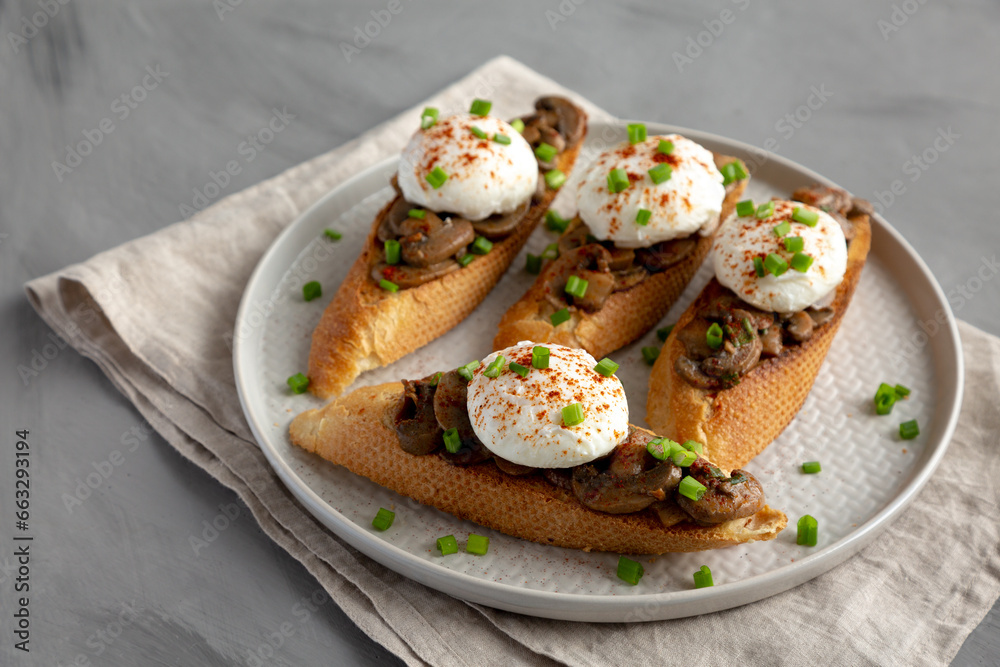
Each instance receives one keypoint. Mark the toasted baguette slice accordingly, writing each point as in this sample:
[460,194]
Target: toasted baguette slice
[365,327]
[625,316]
[357,432]
[736,424]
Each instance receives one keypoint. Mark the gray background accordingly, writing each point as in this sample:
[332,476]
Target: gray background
[890,89]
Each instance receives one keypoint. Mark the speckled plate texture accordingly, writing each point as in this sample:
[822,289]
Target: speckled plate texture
[898,329]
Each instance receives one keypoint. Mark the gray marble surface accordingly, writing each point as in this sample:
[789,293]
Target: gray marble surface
[897,101]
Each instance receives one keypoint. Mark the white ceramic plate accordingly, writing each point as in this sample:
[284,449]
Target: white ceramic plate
[898,329]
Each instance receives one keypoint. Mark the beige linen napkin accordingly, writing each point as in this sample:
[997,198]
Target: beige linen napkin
[909,599]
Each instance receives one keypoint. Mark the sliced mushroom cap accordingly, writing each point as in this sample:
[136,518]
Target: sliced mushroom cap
[771,343]
[599,287]
[821,316]
[724,307]
[631,456]
[512,468]
[661,256]
[560,477]
[615,494]
[621,258]
[690,370]
[541,188]
[552,137]
[730,362]
[405,276]
[576,236]
[726,498]
[694,337]
[570,120]
[590,260]
[800,326]
[398,212]
[431,240]
[416,426]
[824,197]
[499,225]
[629,278]
[451,410]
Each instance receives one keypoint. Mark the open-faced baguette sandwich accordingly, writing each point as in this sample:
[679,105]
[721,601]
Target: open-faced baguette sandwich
[646,213]
[535,442]
[742,358]
[470,190]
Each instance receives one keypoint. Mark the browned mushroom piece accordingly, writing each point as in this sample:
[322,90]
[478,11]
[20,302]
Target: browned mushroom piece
[730,362]
[405,276]
[552,137]
[829,199]
[416,425]
[430,240]
[559,477]
[624,494]
[631,457]
[515,469]
[723,308]
[690,370]
[541,188]
[569,119]
[500,225]
[860,207]
[398,212]
[532,133]
[821,316]
[451,411]
[629,278]
[771,343]
[726,498]
[622,259]
[661,256]
[575,237]
[800,326]
[694,337]
[589,262]
[599,287]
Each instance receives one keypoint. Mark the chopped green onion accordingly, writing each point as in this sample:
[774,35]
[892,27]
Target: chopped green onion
[577,286]
[417,213]
[383,519]
[703,578]
[733,171]
[745,208]
[554,179]
[388,285]
[545,152]
[495,367]
[747,327]
[650,354]
[437,177]
[479,133]
[540,356]
[714,336]
[555,222]
[519,369]
[533,264]
[332,234]
[447,545]
[758,267]
[466,259]
[665,147]
[683,458]
[392,251]
[775,265]
[664,333]
[694,446]
[312,290]
[636,133]
[551,251]
[436,378]
[572,414]
[482,245]
[501,139]
[298,383]
[606,367]
[452,440]
[643,216]
[428,118]
[660,173]
[794,243]
[691,488]
[629,571]
[801,262]
[808,531]
[559,317]
[811,467]
[517,124]
[477,544]
[909,430]
[805,216]
[901,391]
[765,210]
[659,448]
[466,370]
[782,228]
[617,180]
[480,107]
[885,398]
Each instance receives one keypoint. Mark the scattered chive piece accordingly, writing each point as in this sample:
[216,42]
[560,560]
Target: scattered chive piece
[436,378]
[694,446]
[517,124]
[683,458]
[554,179]
[745,208]
[664,333]
[909,430]
[477,544]
[479,133]
[658,448]
[332,234]
[417,213]
[482,245]
[643,216]
[383,519]
[519,369]
[576,286]
[501,139]
[606,367]
[428,118]
[437,177]
[555,222]
[714,336]
[801,262]
[388,285]
[452,441]
[765,210]
[629,571]
[533,264]
[732,171]
[758,267]
[572,414]
[636,133]
[885,398]
[559,317]
[660,173]
[808,531]
[447,545]
[392,251]
[545,152]
[480,107]
[703,578]
[811,467]
[540,356]
[901,391]
[782,228]
[466,259]
[805,216]
[466,370]
[312,290]
[747,327]
[650,354]
[299,383]
[794,243]
[551,251]
[665,147]
[775,265]
[691,488]
[495,367]
[617,180]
